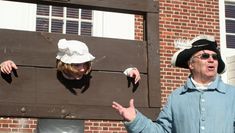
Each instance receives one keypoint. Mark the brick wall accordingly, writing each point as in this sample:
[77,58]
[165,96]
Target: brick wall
[139,27]
[178,19]
[20,125]
[183,19]
[92,126]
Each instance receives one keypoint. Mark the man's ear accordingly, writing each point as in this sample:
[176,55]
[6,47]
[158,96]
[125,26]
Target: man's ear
[190,66]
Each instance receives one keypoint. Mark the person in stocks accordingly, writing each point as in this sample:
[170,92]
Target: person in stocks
[74,61]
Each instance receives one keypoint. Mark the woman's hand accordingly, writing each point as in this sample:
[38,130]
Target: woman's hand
[7,66]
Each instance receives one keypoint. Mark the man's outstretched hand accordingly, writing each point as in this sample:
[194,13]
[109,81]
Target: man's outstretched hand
[128,113]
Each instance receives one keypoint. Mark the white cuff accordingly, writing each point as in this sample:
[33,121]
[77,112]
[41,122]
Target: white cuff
[127,71]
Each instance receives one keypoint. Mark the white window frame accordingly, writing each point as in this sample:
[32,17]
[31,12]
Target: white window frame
[114,25]
[65,19]
[23,17]
[225,52]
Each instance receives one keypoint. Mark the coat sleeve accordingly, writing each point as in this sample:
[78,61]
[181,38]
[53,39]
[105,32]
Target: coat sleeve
[142,124]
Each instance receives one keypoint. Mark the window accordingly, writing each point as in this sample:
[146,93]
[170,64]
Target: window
[227,38]
[60,126]
[230,24]
[64,20]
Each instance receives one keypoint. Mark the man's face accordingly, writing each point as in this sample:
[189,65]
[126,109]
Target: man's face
[204,64]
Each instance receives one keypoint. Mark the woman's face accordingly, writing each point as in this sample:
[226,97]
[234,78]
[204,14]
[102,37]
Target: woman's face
[77,71]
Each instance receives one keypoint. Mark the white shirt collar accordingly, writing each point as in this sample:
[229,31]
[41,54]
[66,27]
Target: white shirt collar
[200,86]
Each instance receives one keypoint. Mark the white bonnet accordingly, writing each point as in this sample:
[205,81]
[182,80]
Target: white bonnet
[73,52]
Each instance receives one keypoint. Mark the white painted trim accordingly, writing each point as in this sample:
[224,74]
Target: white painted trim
[222,34]
[17,15]
[114,25]
[225,52]
[230,0]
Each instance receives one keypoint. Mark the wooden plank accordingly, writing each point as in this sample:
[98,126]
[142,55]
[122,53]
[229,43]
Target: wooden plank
[153,60]
[39,49]
[68,112]
[35,87]
[130,6]
[44,86]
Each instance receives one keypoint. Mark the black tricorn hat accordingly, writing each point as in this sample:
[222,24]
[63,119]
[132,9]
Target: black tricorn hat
[201,42]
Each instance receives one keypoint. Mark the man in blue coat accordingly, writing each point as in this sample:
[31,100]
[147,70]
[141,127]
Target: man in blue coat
[204,104]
